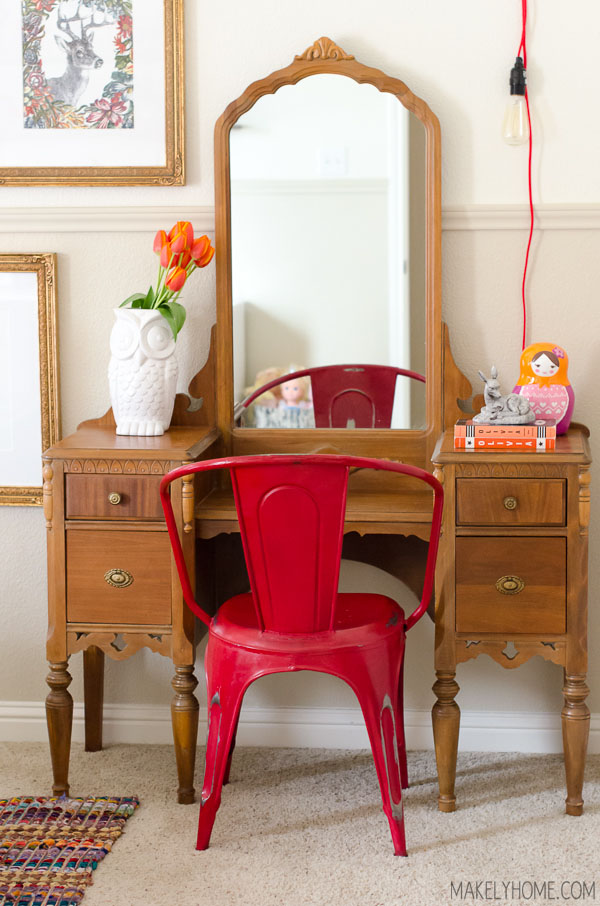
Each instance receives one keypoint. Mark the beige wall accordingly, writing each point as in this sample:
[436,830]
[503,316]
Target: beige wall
[456,56]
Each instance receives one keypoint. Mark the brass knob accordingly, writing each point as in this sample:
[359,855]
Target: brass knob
[510,503]
[114,498]
[510,585]
[118,578]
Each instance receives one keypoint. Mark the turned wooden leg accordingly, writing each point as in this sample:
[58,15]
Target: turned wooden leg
[93,697]
[576,730]
[184,716]
[446,725]
[59,716]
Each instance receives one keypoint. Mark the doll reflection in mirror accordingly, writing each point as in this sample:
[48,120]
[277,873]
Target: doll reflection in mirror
[295,393]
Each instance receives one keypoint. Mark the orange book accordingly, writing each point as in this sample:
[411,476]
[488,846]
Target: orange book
[510,444]
[465,427]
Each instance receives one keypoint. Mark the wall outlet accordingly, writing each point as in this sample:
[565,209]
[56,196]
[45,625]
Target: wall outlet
[333,162]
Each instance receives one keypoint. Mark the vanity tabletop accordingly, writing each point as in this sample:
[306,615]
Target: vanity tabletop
[570,447]
[178,443]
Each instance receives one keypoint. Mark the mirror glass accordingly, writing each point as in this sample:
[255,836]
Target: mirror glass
[328,237]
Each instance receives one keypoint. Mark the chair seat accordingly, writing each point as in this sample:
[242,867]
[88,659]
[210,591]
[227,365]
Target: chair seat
[361,619]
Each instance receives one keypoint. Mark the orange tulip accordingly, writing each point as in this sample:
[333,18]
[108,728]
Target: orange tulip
[166,254]
[202,251]
[184,258]
[207,258]
[179,243]
[159,241]
[199,246]
[185,227]
[176,279]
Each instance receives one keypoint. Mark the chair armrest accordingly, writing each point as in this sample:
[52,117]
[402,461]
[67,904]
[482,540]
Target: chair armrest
[165,499]
[434,537]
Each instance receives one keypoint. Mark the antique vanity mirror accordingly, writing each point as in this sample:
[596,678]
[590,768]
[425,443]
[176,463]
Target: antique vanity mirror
[328,231]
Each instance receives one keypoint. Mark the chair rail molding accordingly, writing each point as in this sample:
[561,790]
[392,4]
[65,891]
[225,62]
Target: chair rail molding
[126,219]
[108,219]
[333,728]
[516,217]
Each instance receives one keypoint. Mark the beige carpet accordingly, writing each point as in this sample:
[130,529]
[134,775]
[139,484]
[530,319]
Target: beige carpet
[303,827]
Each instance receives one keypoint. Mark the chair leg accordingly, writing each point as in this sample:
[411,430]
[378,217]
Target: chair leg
[380,709]
[223,711]
[400,732]
[230,756]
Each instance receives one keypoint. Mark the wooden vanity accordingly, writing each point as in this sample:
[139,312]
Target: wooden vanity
[100,491]
[512,582]
[112,586]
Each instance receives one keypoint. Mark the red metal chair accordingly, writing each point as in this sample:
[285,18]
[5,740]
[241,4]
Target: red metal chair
[362,394]
[291,515]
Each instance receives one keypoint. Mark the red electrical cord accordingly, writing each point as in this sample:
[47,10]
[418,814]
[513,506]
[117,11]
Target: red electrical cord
[523,47]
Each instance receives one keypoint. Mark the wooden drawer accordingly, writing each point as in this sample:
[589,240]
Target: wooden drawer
[538,608]
[89,497]
[92,555]
[510,501]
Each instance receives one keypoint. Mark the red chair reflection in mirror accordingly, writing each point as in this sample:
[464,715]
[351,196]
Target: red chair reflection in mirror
[291,515]
[357,396]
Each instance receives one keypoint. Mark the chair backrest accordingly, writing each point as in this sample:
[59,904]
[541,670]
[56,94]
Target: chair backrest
[291,513]
[361,396]
[292,522]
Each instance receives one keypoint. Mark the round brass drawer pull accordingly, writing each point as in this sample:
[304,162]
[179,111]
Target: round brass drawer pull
[510,503]
[118,578]
[510,585]
[114,498]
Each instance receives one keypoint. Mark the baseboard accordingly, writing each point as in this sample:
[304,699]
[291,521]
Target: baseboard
[335,728]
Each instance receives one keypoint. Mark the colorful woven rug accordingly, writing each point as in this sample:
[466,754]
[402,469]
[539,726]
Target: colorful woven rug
[49,847]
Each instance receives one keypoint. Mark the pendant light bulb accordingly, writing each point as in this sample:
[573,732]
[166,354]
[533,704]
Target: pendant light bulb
[515,128]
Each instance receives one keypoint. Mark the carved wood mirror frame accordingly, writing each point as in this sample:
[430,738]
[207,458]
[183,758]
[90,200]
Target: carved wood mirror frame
[409,445]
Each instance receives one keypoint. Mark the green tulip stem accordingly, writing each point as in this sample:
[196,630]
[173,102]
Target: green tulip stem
[177,294]
[161,291]
[158,282]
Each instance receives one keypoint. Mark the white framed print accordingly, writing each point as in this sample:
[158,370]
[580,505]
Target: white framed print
[92,93]
[29,392]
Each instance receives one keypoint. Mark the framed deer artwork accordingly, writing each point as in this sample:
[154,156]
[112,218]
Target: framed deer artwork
[29,401]
[92,93]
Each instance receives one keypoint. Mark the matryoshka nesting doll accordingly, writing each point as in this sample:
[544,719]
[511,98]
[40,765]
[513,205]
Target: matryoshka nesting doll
[545,383]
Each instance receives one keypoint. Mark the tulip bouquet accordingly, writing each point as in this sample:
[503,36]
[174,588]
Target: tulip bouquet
[179,254]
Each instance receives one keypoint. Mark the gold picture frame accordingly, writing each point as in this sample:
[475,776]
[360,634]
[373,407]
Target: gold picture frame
[44,268]
[173,171]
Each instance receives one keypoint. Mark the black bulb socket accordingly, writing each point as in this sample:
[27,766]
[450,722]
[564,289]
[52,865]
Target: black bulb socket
[518,77]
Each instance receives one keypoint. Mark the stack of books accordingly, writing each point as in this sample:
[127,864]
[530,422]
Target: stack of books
[540,436]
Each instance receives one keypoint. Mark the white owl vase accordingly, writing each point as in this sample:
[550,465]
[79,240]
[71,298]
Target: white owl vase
[142,373]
